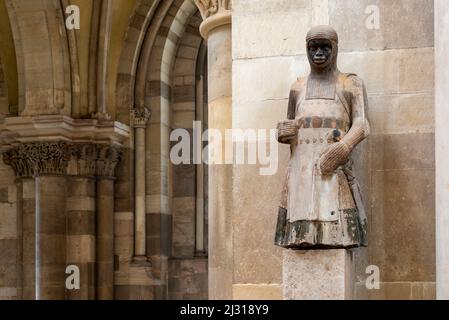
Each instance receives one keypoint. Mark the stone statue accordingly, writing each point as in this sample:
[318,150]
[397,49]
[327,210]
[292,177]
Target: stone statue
[321,206]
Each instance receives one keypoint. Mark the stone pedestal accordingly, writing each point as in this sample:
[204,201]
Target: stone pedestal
[318,275]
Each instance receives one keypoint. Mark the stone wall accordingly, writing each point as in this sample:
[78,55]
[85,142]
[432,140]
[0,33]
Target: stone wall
[396,164]
[397,63]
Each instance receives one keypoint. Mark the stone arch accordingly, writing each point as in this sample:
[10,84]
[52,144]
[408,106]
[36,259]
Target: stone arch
[183,115]
[4,105]
[188,194]
[148,14]
[42,57]
[149,77]
[163,179]
[8,65]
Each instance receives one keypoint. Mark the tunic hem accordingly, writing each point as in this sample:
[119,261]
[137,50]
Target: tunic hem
[348,233]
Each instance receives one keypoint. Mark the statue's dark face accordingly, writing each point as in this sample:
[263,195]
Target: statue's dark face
[320,53]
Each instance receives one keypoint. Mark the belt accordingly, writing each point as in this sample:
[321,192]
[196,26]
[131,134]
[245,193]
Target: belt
[324,123]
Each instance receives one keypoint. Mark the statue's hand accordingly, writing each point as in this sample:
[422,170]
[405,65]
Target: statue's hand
[287,131]
[335,156]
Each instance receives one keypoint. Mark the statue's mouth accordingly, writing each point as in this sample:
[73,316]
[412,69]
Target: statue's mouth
[319,60]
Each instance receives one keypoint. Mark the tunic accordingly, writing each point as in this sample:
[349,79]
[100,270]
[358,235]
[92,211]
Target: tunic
[320,211]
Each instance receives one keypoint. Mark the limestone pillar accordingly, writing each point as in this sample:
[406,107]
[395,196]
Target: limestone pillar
[50,162]
[22,165]
[81,235]
[19,225]
[50,237]
[26,226]
[442,146]
[28,238]
[43,220]
[140,119]
[217,29]
[65,196]
[81,216]
[106,163]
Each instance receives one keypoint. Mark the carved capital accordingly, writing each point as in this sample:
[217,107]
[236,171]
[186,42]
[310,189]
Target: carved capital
[84,160]
[77,159]
[215,13]
[94,160]
[210,7]
[41,158]
[140,117]
[107,160]
[18,160]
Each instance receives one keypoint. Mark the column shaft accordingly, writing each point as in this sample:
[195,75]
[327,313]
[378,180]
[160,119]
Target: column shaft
[26,224]
[81,235]
[105,239]
[139,221]
[50,237]
[220,169]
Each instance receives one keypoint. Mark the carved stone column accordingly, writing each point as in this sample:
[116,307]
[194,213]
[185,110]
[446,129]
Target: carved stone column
[216,28]
[107,160]
[26,224]
[140,119]
[47,162]
[65,202]
[81,218]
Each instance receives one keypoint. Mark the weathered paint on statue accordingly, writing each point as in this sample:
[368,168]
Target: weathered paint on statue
[321,206]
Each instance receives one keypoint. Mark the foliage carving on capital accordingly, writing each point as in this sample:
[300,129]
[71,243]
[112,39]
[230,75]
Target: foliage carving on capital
[140,117]
[108,158]
[33,159]
[84,158]
[62,158]
[90,159]
[210,7]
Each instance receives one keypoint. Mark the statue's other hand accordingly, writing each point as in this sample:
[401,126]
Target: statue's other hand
[287,131]
[335,156]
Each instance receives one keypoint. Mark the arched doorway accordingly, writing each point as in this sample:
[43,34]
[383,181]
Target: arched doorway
[164,71]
